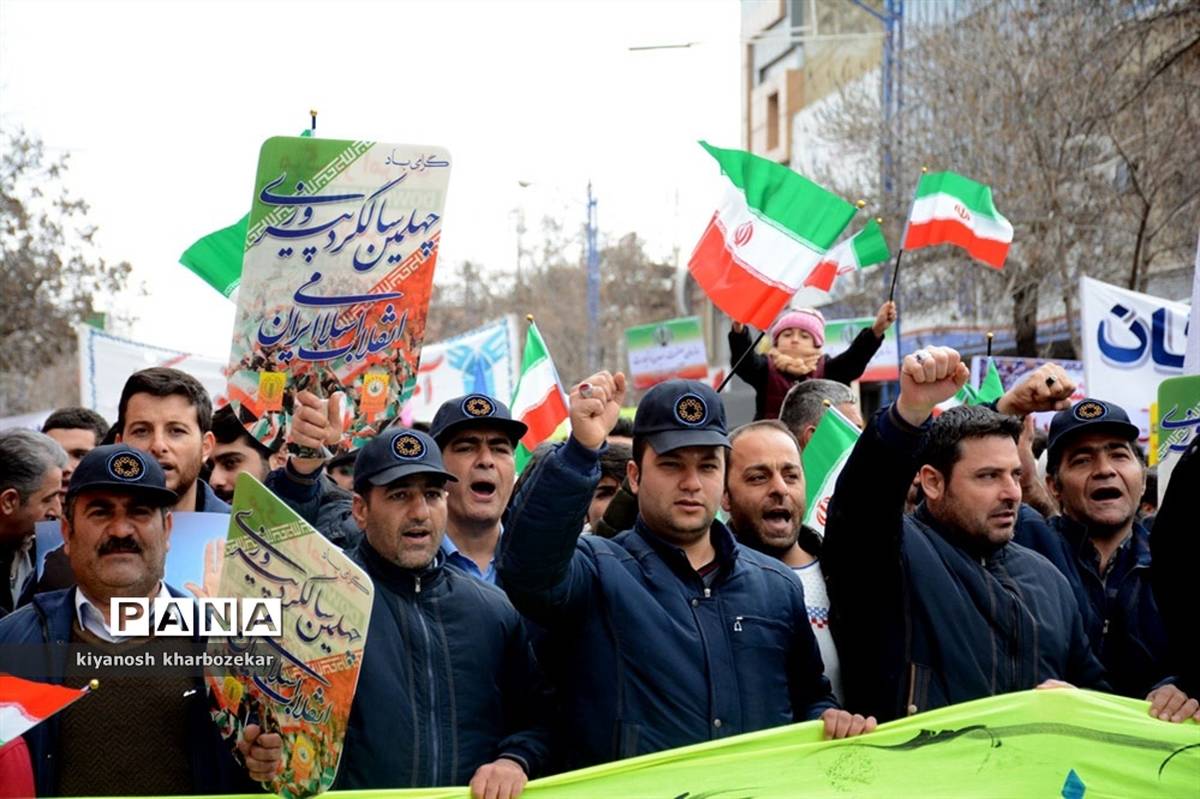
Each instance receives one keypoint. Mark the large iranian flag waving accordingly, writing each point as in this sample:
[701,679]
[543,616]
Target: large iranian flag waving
[770,231]
[539,400]
[951,209]
[823,459]
[24,703]
[865,248]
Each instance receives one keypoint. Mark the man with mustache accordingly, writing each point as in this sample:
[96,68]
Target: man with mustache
[764,497]
[116,527]
[449,693]
[31,467]
[670,633]
[955,611]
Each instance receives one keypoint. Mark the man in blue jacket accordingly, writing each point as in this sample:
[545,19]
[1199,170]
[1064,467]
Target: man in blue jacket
[145,733]
[449,692]
[671,633]
[1096,474]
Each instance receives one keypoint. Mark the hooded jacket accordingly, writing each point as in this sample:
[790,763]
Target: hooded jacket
[448,681]
[651,658]
[919,621]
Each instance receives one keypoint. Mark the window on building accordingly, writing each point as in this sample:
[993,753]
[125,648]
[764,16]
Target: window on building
[772,120]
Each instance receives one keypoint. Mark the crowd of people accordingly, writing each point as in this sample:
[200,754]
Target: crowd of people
[640,587]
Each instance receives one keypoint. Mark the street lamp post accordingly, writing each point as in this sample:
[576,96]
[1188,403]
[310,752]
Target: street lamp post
[593,284]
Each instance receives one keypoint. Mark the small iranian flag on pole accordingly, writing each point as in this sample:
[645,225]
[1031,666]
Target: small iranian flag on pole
[865,248]
[772,228]
[823,459]
[539,400]
[991,388]
[24,703]
[951,209]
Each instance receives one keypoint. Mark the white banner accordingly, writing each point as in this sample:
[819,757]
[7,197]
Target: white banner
[106,362]
[483,360]
[1131,342]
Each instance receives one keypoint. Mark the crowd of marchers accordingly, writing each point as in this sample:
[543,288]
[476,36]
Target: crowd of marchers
[640,587]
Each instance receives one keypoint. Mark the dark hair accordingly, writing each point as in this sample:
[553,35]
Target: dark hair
[623,427]
[804,403]
[1150,495]
[613,460]
[25,458]
[639,450]
[162,381]
[941,449]
[228,430]
[1040,439]
[76,418]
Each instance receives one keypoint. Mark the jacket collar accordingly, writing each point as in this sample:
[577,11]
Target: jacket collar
[398,579]
[970,547]
[723,543]
[1077,536]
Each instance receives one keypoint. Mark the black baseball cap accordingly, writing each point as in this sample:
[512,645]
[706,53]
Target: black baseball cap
[475,410]
[120,467]
[681,413]
[1091,415]
[395,453]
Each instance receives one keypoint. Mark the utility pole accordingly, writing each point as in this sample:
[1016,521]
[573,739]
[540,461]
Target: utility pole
[593,284]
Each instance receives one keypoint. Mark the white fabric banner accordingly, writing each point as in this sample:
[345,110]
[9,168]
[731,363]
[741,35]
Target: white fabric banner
[483,360]
[1131,342]
[106,362]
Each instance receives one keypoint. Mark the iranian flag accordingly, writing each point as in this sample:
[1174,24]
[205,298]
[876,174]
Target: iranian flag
[823,459]
[991,388]
[539,400]
[951,209]
[769,232]
[24,703]
[865,248]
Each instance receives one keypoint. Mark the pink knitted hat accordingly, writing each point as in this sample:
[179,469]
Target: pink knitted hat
[808,319]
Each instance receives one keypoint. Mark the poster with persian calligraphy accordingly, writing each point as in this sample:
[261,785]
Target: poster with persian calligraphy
[300,684]
[338,268]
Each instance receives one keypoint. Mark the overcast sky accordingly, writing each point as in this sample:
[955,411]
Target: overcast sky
[162,106]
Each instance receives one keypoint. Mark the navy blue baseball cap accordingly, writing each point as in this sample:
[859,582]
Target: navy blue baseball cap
[1090,415]
[120,467]
[681,413]
[395,453]
[475,410]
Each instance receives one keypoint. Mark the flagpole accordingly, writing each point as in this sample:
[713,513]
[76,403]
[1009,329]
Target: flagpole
[900,252]
[738,362]
[990,334]
[313,115]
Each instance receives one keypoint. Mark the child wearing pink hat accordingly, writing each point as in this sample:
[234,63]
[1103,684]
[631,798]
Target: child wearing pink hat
[798,338]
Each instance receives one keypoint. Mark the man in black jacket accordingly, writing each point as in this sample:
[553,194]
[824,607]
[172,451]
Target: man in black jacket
[670,633]
[449,692]
[955,611]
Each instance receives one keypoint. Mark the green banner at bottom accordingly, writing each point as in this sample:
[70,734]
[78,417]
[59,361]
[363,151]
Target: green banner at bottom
[1053,743]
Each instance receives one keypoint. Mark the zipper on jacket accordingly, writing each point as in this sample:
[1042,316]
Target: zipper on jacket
[433,727]
[417,587]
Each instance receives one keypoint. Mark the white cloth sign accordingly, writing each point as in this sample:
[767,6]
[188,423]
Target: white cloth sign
[1131,342]
[483,360]
[106,362]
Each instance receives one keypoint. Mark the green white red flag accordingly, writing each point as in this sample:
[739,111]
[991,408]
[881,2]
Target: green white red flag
[769,232]
[865,248]
[24,703]
[951,209]
[823,459]
[539,400]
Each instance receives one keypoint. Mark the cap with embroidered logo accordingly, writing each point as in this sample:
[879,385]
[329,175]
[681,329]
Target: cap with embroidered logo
[122,468]
[474,410]
[681,413]
[395,453]
[1090,415]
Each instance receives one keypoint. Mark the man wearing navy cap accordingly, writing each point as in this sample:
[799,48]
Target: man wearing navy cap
[116,528]
[449,693]
[1095,471]
[670,633]
[478,438]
